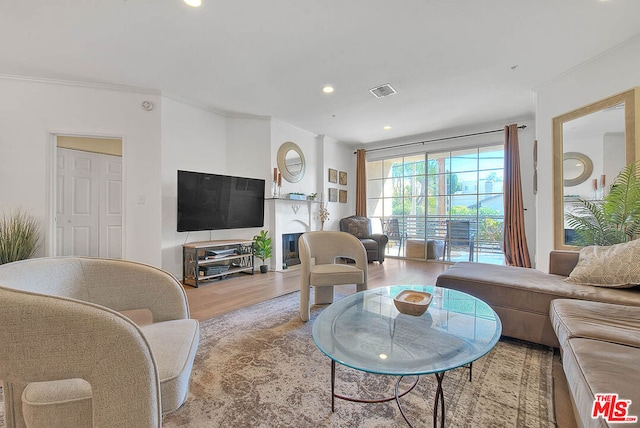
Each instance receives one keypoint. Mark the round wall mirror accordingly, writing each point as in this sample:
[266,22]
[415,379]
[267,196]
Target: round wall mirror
[576,168]
[291,162]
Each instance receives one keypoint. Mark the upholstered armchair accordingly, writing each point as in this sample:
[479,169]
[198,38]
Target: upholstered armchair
[72,354]
[328,259]
[360,227]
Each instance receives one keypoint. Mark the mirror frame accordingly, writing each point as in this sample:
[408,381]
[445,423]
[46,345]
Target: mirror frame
[282,162]
[628,98]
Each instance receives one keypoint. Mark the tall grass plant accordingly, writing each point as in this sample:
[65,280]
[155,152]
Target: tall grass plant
[19,236]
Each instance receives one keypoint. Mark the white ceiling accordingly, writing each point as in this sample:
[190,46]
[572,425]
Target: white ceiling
[451,61]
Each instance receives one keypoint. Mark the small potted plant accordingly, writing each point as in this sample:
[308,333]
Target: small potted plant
[262,249]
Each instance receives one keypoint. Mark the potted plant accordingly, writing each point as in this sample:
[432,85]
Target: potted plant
[262,249]
[613,220]
[19,236]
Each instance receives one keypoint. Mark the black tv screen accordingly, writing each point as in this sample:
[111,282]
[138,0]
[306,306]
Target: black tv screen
[213,202]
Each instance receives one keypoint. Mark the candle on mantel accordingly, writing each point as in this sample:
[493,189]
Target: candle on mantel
[275,174]
[603,180]
[595,184]
[279,179]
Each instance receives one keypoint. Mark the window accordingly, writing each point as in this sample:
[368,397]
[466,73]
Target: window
[451,199]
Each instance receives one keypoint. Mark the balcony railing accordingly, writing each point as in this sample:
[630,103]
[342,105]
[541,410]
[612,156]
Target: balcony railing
[484,232]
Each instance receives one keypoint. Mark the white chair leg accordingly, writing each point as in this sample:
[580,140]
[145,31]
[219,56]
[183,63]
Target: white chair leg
[323,295]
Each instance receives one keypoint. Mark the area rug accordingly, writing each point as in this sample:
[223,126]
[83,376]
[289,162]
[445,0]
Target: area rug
[259,367]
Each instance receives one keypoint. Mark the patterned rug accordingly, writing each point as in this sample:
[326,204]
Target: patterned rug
[259,367]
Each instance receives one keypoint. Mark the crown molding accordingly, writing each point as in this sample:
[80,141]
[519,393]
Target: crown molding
[81,84]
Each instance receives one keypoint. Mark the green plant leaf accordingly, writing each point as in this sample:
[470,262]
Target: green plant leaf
[613,220]
[262,245]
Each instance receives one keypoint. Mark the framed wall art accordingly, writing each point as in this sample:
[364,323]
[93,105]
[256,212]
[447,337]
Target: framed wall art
[343,178]
[333,175]
[343,196]
[333,195]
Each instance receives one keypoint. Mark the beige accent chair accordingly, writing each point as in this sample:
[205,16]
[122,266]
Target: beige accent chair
[71,354]
[323,260]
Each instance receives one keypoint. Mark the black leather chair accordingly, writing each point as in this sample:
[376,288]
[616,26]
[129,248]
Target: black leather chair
[360,227]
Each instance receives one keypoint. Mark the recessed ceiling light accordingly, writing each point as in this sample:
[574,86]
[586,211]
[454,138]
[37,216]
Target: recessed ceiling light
[193,3]
[327,89]
[387,128]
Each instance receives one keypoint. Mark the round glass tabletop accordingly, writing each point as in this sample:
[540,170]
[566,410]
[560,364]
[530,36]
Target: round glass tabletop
[365,331]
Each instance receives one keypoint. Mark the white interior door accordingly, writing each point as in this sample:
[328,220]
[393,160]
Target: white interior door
[88,204]
[110,208]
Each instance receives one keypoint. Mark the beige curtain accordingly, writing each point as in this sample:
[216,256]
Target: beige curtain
[515,248]
[361,182]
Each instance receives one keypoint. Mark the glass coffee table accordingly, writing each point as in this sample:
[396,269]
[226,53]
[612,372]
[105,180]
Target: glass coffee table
[366,332]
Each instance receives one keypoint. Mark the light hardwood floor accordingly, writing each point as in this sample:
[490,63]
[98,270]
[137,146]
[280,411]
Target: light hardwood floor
[219,297]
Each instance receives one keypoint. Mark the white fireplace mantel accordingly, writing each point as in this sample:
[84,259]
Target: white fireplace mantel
[289,216]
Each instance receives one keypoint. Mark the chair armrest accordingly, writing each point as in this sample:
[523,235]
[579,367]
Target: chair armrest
[562,262]
[47,338]
[380,238]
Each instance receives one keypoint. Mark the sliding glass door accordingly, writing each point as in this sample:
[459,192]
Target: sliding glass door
[444,205]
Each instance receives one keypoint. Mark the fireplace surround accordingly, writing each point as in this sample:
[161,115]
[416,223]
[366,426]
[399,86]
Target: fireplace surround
[284,217]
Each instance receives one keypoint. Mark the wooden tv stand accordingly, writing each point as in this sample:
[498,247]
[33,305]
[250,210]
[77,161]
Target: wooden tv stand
[206,261]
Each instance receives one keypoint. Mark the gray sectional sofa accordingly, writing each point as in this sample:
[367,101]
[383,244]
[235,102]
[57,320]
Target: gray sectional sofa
[600,344]
[596,328]
[522,297]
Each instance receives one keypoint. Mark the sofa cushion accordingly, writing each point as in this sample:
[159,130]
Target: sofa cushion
[173,344]
[522,296]
[600,367]
[525,288]
[334,274]
[595,320]
[369,244]
[613,266]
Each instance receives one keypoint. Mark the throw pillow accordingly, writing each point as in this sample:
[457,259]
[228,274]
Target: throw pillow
[358,230]
[614,266]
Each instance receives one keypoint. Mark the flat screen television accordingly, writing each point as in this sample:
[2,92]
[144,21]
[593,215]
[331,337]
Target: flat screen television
[214,202]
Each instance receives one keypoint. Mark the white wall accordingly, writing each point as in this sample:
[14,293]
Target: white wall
[31,112]
[341,158]
[193,139]
[249,148]
[613,72]
[282,132]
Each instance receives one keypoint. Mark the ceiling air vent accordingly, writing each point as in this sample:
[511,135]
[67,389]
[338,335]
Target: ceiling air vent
[382,90]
